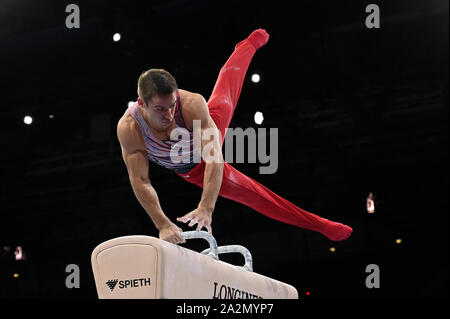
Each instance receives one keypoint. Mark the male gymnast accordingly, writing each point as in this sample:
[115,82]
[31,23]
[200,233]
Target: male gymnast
[144,132]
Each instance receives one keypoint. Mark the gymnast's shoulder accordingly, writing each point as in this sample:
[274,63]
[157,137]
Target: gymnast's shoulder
[193,107]
[188,98]
[129,134]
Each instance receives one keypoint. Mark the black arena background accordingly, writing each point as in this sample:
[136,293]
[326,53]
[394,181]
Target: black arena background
[358,111]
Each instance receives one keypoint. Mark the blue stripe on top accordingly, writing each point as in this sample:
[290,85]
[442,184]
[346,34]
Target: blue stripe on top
[184,157]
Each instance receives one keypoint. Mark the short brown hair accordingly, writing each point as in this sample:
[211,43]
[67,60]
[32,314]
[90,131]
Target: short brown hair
[155,82]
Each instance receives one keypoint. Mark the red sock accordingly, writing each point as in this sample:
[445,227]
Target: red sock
[336,231]
[258,38]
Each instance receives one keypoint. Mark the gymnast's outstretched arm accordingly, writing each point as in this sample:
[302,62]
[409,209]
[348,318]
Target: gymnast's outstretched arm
[212,155]
[137,166]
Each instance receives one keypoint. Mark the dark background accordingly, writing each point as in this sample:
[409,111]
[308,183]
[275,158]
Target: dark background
[357,110]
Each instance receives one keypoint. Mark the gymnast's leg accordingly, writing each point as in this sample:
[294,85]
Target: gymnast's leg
[241,188]
[226,92]
[237,186]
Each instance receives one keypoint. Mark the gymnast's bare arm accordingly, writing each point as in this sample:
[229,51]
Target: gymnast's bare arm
[211,152]
[135,156]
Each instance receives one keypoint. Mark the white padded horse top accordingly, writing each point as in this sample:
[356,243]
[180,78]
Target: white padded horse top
[147,267]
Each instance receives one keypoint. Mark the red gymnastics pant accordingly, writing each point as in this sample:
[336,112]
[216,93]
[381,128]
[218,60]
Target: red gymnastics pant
[235,185]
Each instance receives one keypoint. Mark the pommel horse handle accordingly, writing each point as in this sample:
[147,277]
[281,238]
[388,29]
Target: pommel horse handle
[214,250]
[236,249]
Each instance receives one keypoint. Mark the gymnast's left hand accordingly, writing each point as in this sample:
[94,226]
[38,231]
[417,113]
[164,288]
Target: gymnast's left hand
[200,216]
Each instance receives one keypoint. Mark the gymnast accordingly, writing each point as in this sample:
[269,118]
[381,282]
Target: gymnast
[144,133]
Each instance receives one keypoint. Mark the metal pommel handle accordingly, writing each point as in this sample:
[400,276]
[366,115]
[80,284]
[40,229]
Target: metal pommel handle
[212,251]
[235,249]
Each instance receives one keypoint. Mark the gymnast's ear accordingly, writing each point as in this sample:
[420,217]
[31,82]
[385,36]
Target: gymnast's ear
[140,102]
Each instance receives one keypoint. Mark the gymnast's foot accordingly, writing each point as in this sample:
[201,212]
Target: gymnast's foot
[336,231]
[257,38]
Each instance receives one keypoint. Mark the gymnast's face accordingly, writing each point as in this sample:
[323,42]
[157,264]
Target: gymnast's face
[160,110]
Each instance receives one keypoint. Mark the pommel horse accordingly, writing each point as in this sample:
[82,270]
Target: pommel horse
[145,267]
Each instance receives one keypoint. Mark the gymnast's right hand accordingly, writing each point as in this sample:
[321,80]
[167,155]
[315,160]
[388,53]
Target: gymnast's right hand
[171,233]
